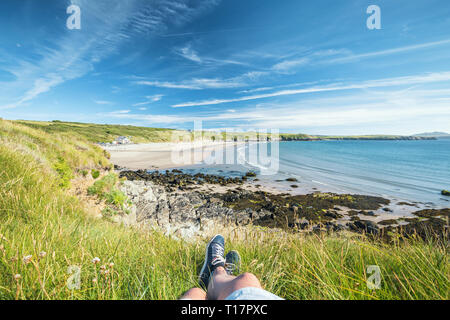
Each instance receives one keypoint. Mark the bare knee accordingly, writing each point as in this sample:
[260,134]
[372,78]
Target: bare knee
[195,294]
[248,280]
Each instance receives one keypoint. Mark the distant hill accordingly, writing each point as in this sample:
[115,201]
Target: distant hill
[433,135]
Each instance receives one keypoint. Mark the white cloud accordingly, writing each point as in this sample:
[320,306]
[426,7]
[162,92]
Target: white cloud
[190,54]
[288,65]
[195,84]
[74,54]
[103,102]
[352,57]
[389,82]
[369,109]
[150,99]
[121,112]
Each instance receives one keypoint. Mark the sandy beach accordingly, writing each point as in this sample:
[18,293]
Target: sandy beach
[164,155]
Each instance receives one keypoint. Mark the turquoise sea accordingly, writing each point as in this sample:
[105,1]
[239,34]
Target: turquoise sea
[414,171]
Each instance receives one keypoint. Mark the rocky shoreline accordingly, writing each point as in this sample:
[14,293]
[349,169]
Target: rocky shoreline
[186,205]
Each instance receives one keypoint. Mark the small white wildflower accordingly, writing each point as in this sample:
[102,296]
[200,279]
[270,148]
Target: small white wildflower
[94,280]
[103,267]
[96,260]
[17,276]
[42,254]
[27,259]
[111,264]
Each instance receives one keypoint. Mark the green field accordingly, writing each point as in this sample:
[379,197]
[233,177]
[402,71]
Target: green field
[44,230]
[109,132]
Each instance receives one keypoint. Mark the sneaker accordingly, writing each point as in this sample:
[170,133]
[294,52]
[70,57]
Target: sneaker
[213,259]
[232,263]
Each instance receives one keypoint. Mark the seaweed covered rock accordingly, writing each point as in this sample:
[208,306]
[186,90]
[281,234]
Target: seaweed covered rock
[430,213]
[286,209]
[177,179]
[365,226]
[432,228]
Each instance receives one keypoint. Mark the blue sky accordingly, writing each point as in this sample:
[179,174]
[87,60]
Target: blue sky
[296,66]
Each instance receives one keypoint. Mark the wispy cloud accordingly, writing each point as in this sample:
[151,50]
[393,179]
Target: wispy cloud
[361,108]
[207,83]
[75,53]
[353,57]
[190,54]
[195,84]
[150,99]
[288,65]
[388,82]
[121,112]
[103,102]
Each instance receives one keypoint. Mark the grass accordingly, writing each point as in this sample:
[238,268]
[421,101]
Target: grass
[39,218]
[109,132]
[101,132]
[106,188]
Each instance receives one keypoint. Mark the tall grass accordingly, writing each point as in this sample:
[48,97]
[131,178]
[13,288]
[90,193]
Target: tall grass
[39,219]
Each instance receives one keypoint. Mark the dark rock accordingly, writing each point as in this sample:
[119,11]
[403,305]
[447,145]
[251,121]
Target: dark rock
[445,193]
[429,213]
[388,222]
[366,226]
[432,228]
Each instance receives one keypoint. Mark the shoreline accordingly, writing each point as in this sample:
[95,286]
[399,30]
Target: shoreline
[188,205]
[163,155]
[158,156]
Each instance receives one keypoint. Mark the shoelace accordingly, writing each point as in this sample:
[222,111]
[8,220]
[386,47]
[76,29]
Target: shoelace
[230,268]
[218,255]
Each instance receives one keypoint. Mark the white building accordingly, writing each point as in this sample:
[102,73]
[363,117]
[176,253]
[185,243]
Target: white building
[123,140]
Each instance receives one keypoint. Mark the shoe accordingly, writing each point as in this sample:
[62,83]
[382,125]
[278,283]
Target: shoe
[232,263]
[213,259]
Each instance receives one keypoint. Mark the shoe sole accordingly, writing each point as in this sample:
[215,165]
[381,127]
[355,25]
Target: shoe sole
[206,257]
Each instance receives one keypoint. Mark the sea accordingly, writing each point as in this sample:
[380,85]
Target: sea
[414,171]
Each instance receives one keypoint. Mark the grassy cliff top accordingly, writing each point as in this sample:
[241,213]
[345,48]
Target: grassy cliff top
[101,132]
[46,235]
[109,132]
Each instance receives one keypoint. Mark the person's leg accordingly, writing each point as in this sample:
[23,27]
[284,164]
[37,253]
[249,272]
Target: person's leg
[223,284]
[194,294]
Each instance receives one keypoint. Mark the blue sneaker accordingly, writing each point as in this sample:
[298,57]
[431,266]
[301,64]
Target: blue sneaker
[213,259]
[232,263]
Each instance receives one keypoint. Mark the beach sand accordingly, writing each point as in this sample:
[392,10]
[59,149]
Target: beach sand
[163,155]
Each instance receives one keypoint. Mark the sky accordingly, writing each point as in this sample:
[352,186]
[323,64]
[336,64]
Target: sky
[297,66]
